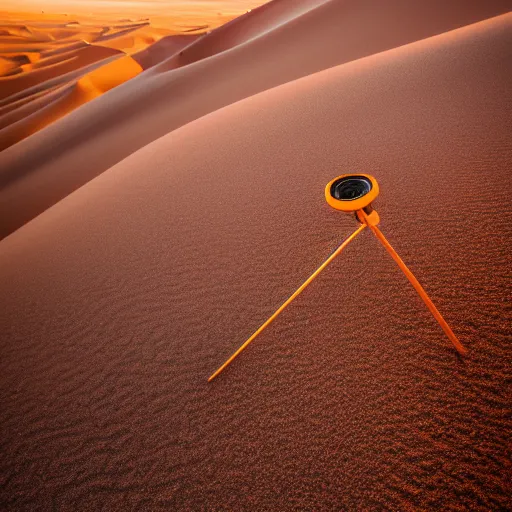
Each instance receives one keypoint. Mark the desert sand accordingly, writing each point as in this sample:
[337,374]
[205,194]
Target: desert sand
[150,231]
[50,67]
[35,173]
[43,54]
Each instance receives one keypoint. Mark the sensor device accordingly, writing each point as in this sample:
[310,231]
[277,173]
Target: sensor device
[351,192]
[354,193]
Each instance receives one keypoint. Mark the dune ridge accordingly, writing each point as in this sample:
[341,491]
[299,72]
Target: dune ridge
[244,28]
[34,174]
[126,294]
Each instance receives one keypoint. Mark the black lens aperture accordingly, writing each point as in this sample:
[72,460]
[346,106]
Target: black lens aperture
[350,188]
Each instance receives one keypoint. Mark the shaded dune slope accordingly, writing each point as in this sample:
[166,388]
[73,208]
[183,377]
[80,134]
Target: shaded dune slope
[45,167]
[161,50]
[252,24]
[124,296]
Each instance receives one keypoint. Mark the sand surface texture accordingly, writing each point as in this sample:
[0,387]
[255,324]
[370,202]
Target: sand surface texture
[122,298]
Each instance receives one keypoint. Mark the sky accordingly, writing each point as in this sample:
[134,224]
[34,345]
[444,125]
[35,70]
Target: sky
[180,13]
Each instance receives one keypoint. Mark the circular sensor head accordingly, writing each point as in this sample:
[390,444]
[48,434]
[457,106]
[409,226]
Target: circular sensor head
[351,192]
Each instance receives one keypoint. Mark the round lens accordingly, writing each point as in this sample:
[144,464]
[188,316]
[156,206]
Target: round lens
[350,188]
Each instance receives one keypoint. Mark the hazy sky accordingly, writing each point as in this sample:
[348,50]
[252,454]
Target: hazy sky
[156,6]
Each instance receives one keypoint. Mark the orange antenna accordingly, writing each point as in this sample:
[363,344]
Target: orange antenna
[354,193]
[290,299]
[417,286]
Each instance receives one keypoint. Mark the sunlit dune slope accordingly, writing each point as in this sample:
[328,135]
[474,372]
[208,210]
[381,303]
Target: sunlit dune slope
[120,300]
[42,109]
[131,38]
[44,69]
[37,58]
[34,173]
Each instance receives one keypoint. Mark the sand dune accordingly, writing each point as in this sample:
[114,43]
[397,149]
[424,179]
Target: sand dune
[122,298]
[56,81]
[242,29]
[46,69]
[133,38]
[38,49]
[163,49]
[34,173]
[32,116]
[38,58]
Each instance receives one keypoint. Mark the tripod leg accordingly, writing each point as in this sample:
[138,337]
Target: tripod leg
[421,292]
[290,299]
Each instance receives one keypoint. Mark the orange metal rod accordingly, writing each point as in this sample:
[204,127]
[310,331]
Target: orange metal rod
[290,299]
[417,286]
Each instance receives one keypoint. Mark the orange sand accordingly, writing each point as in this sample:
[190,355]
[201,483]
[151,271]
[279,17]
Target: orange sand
[39,55]
[122,294]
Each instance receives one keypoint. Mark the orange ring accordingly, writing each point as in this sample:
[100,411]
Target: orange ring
[354,204]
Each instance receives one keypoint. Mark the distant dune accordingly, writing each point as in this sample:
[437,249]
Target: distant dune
[37,58]
[150,231]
